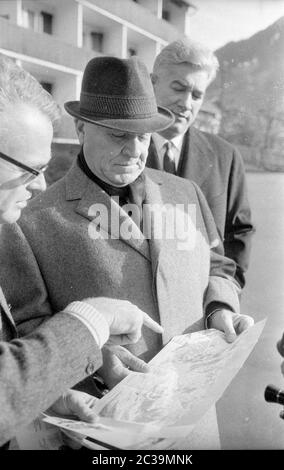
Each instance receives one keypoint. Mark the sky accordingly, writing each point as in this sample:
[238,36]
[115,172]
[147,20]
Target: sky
[216,22]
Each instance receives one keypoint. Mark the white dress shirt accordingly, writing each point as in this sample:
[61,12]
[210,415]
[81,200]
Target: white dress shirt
[176,145]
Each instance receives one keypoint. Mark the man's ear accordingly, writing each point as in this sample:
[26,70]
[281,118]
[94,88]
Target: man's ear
[80,130]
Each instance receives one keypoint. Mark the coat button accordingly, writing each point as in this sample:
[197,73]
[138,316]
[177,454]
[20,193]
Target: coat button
[91,368]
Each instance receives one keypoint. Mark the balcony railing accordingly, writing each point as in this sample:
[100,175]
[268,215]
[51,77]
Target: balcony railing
[139,16]
[42,46]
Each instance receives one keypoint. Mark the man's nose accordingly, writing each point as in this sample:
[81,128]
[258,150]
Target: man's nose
[133,147]
[38,184]
[186,100]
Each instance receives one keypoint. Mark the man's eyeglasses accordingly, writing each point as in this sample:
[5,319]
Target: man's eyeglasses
[32,172]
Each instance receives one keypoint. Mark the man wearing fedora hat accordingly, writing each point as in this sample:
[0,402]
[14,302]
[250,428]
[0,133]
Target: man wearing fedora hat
[79,239]
[36,369]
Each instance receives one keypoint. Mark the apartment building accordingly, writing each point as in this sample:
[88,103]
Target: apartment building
[54,39]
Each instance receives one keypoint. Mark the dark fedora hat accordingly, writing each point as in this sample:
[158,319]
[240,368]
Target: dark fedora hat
[118,93]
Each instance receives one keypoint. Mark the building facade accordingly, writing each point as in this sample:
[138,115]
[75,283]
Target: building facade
[54,39]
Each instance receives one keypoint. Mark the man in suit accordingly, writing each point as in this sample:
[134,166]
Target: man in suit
[88,235]
[181,74]
[36,369]
[114,118]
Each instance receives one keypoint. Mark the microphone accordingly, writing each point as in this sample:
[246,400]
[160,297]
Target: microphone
[273,394]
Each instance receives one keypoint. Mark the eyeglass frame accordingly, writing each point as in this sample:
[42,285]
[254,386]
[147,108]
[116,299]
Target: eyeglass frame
[27,168]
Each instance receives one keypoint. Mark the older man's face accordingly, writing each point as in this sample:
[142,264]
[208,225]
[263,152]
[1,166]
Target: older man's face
[180,88]
[27,139]
[116,157]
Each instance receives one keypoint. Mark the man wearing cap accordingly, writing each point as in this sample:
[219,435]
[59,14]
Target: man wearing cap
[80,239]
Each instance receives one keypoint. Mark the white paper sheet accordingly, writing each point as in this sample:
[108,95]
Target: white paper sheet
[38,436]
[186,379]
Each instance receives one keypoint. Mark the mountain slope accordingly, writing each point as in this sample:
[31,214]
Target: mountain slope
[249,91]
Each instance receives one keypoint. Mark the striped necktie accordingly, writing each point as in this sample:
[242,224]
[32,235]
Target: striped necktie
[169,163]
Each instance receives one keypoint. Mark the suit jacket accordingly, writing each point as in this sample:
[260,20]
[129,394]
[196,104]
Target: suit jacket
[216,166]
[53,257]
[35,370]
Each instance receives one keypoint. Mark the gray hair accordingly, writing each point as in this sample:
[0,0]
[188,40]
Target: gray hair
[17,86]
[189,52]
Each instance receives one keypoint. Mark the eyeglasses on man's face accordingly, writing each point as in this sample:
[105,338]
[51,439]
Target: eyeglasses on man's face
[29,173]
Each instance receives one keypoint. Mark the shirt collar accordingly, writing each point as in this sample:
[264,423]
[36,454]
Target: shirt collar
[160,141]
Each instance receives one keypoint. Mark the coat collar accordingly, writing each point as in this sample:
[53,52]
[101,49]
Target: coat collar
[196,157]
[94,202]
[153,186]
[76,182]
[153,160]
[8,315]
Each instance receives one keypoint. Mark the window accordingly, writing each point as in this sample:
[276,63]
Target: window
[97,40]
[131,52]
[166,15]
[39,22]
[46,22]
[47,86]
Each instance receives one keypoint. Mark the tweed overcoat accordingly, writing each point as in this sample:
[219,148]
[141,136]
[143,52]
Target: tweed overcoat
[35,370]
[53,256]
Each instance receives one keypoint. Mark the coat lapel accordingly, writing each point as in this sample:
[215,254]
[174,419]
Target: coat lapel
[103,211]
[170,280]
[153,160]
[152,223]
[5,311]
[195,162]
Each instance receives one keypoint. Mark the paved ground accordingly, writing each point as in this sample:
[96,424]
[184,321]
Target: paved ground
[246,421]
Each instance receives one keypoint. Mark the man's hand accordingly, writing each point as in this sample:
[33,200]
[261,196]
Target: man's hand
[118,362]
[232,324]
[75,403]
[124,318]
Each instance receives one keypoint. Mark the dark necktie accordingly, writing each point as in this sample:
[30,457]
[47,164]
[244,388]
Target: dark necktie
[169,163]
[137,196]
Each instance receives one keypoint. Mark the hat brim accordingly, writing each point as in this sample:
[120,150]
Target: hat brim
[160,121]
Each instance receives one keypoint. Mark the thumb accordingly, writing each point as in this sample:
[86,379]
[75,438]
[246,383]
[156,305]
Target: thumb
[81,405]
[132,362]
[118,373]
[84,413]
[229,330]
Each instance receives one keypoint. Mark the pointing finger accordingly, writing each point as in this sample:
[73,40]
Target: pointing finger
[147,321]
[242,323]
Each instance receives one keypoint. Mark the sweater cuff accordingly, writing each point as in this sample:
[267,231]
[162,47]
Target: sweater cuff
[92,319]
